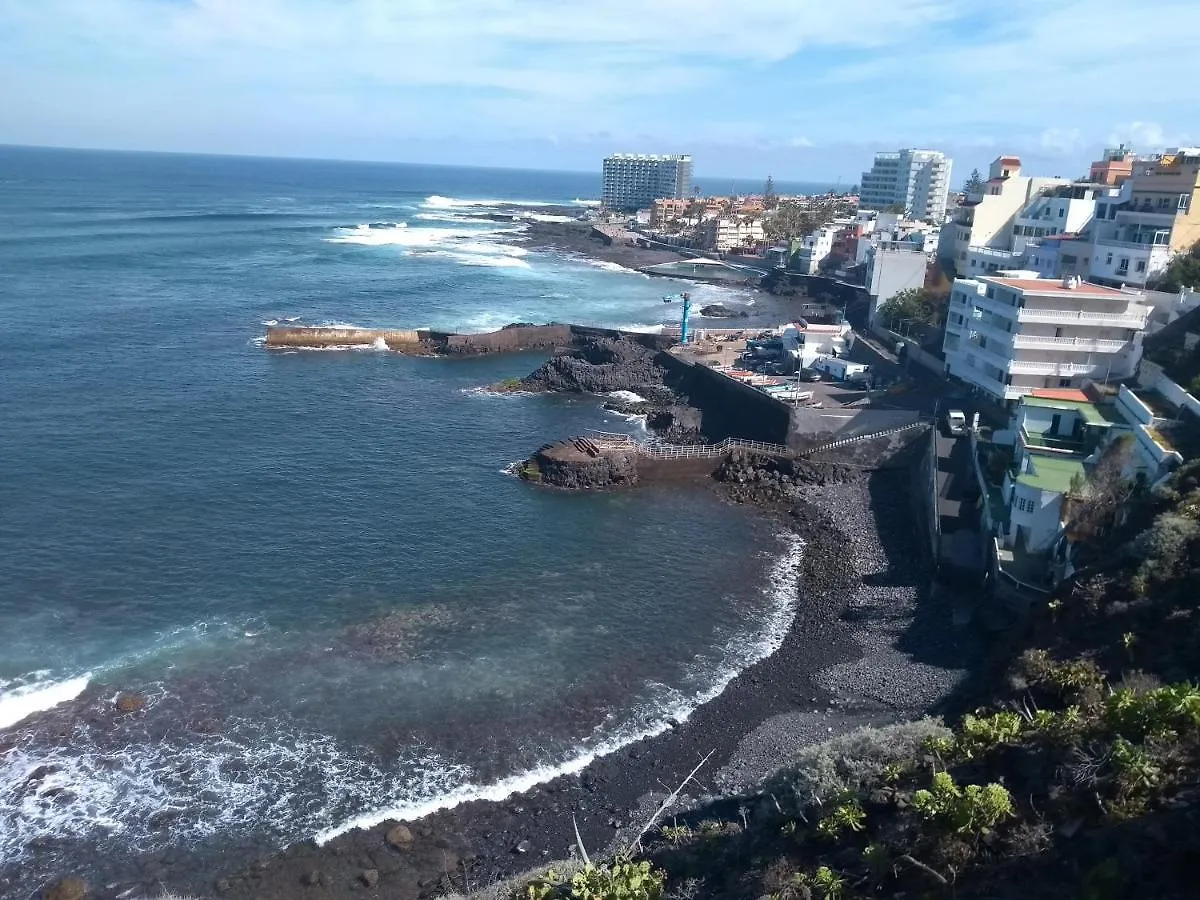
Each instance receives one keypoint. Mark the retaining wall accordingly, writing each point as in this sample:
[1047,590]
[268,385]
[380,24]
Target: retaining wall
[728,407]
[306,336]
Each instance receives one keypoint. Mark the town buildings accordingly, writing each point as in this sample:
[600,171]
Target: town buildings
[730,232]
[636,180]
[1156,215]
[1014,333]
[916,180]
[982,229]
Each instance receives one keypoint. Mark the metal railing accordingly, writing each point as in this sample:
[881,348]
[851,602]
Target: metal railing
[687,451]
[834,445]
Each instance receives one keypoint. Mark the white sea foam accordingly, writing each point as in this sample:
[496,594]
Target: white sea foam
[437,201]
[627,396]
[469,246]
[36,692]
[547,217]
[578,202]
[740,653]
[145,796]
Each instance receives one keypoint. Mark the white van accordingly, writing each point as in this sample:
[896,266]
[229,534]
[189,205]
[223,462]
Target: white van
[956,422]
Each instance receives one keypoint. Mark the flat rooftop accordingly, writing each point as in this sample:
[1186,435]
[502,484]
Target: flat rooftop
[1091,413]
[1054,287]
[1051,473]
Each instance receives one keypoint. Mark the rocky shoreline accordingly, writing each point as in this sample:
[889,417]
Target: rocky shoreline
[869,644]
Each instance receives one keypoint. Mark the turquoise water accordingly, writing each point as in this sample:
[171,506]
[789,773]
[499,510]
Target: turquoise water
[311,564]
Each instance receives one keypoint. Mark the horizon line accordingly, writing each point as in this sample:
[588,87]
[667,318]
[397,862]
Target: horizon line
[382,162]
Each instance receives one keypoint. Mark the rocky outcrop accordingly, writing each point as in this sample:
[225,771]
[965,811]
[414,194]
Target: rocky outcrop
[721,311]
[753,477]
[677,424]
[129,703]
[570,465]
[70,888]
[599,366]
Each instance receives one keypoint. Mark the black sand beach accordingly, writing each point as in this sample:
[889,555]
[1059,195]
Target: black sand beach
[869,644]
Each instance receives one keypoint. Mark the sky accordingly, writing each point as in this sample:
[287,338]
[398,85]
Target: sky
[801,89]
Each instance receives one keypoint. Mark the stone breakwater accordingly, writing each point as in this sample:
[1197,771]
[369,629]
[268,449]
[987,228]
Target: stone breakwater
[512,338]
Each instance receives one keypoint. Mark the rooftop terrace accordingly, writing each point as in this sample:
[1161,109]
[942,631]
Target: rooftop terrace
[1051,473]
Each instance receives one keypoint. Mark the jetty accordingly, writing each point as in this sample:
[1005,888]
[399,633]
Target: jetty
[431,342]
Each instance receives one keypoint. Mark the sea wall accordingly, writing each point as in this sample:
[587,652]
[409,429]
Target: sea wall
[309,336]
[506,340]
[512,339]
[728,407]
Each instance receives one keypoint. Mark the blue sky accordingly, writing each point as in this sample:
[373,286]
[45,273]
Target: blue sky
[803,89]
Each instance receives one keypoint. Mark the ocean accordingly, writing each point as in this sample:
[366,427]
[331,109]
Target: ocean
[311,565]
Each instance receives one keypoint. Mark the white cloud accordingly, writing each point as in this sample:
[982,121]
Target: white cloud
[1056,78]
[1064,141]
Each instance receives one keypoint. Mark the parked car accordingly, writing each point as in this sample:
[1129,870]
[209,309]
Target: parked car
[810,375]
[956,422]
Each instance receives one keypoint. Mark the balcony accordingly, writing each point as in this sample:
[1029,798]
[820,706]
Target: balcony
[1089,345]
[1131,245]
[1146,215]
[1043,441]
[1135,320]
[1063,370]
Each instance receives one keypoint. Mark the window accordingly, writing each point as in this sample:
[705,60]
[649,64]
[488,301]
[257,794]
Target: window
[991,293]
[1108,260]
[1141,265]
[1062,213]
[1184,201]
[972,264]
[1123,265]
[1064,382]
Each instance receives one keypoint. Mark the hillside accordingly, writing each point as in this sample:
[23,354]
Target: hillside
[1080,777]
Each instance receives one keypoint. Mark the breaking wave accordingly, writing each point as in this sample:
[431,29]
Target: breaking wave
[469,246]
[743,651]
[20,698]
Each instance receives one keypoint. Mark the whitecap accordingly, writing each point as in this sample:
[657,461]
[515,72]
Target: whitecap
[21,698]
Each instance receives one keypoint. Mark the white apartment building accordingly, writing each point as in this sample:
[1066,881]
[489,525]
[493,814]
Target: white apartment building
[814,248]
[728,232]
[918,180]
[1156,215]
[1012,333]
[987,218]
[1063,210]
[635,180]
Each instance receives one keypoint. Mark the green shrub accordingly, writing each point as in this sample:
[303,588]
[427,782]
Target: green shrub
[979,734]
[1075,675]
[849,764]
[1163,711]
[619,880]
[1057,726]
[1133,766]
[676,834]
[848,816]
[970,809]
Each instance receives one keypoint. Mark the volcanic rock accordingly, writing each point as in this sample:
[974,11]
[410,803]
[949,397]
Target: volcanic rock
[69,888]
[400,837]
[129,703]
[721,311]
[369,877]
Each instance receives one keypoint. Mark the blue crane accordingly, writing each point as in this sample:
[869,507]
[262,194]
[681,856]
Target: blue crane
[687,313]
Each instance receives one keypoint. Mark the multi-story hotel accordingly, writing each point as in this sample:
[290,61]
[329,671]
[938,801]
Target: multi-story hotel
[634,181]
[1012,334]
[918,180]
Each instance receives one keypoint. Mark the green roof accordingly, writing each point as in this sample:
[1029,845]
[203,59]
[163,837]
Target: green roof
[1092,413]
[1051,473]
